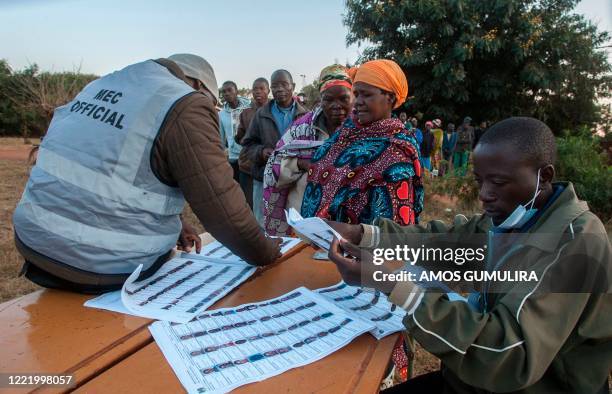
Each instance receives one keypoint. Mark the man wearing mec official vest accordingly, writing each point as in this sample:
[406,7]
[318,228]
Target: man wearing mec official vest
[113,174]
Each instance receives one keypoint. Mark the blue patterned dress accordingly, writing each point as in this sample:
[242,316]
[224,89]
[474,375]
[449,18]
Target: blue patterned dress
[361,173]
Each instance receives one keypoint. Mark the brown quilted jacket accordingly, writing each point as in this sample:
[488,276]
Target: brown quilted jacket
[188,154]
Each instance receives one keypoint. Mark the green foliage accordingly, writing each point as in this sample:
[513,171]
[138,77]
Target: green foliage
[489,59]
[311,93]
[10,120]
[464,188]
[244,92]
[581,161]
[29,97]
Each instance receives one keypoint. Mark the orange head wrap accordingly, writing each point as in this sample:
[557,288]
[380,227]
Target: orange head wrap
[384,74]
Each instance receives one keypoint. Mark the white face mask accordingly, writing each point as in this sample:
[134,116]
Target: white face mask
[521,214]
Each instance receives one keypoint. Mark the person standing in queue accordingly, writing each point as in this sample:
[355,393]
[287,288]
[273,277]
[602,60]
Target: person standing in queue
[268,125]
[369,167]
[261,90]
[229,119]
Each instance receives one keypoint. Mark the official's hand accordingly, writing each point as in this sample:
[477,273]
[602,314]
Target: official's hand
[351,232]
[188,238]
[266,152]
[277,242]
[358,268]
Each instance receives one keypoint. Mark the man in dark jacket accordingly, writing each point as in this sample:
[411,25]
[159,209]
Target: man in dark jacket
[261,90]
[427,146]
[465,137]
[90,213]
[478,132]
[268,125]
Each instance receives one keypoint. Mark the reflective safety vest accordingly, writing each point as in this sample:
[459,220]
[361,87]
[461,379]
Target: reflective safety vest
[92,201]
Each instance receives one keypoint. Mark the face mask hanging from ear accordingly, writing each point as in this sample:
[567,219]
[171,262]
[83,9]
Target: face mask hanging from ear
[521,214]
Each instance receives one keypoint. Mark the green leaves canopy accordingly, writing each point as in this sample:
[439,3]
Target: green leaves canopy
[489,59]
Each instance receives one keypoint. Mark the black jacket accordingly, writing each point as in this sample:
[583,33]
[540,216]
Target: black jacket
[263,133]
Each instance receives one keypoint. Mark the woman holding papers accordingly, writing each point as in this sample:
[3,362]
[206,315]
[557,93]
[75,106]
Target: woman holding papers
[370,167]
[285,173]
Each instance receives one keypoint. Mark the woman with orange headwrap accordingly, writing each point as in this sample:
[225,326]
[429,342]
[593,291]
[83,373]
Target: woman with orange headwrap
[370,167]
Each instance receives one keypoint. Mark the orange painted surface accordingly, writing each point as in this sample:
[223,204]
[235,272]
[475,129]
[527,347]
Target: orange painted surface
[358,367]
[50,331]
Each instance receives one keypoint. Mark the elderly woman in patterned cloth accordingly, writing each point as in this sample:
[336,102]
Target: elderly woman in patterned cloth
[285,173]
[370,167]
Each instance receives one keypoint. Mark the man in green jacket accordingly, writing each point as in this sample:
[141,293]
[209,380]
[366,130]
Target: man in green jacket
[548,335]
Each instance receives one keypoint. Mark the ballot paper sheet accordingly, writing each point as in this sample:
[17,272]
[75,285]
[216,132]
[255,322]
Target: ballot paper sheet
[315,229]
[184,286]
[367,304]
[216,252]
[227,348]
[110,301]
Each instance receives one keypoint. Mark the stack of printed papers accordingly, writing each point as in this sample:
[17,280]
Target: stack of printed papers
[367,304]
[230,347]
[184,286]
[315,229]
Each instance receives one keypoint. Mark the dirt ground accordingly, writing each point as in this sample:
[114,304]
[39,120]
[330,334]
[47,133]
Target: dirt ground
[14,154]
[13,175]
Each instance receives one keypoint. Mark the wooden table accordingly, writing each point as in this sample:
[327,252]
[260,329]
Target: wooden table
[358,367]
[52,332]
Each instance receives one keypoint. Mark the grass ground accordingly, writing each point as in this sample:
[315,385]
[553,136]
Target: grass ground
[13,176]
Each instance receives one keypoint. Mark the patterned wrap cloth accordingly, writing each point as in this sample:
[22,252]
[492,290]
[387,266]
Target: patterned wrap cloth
[302,137]
[364,172]
[334,75]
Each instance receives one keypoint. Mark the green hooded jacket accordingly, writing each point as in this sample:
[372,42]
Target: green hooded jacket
[527,338]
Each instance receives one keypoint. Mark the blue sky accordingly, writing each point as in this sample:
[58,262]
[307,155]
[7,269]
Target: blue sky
[242,39]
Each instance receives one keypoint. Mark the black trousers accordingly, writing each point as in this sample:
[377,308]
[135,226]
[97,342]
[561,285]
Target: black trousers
[235,169]
[433,383]
[50,281]
[246,184]
[430,383]
[90,283]
[245,181]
